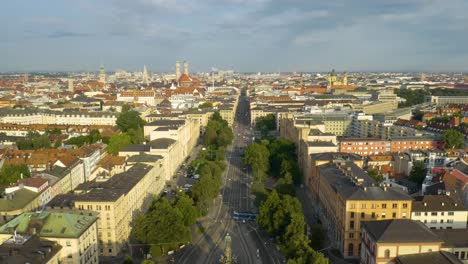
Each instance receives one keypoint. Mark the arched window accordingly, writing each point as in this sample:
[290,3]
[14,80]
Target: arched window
[350,249]
[387,253]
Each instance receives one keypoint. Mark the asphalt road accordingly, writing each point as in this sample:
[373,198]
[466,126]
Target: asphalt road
[249,244]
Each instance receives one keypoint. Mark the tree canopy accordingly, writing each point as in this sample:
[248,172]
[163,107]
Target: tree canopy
[281,216]
[266,123]
[11,173]
[418,172]
[130,119]
[453,139]
[117,142]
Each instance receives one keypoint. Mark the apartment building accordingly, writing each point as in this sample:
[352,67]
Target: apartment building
[75,233]
[35,116]
[445,100]
[348,197]
[384,241]
[439,212]
[118,201]
[455,242]
[30,250]
[402,144]
[364,146]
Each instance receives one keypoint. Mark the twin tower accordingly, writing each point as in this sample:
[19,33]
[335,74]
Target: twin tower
[177,66]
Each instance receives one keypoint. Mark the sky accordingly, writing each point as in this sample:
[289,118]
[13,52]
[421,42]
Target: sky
[242,35]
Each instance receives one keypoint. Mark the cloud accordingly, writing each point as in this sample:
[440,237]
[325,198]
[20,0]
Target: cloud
[67,34]
[47,20]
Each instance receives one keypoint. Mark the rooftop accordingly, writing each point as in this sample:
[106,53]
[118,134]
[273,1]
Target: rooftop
[439,257]
[17,200]
[161,143]
[400,231]
[33,250]
[428,203]
[56,224]
[115,187]
[453,237]
[142,157]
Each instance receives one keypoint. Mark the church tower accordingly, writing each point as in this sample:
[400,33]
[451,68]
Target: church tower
[70,85]
[102,75]
[177,71]
[186,67]
[332,78]
[345,78]
[145,75]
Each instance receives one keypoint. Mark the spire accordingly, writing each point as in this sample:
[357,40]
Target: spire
[186,67]
[177,73]
[145,75]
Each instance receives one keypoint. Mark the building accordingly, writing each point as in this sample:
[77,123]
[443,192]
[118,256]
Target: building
[75,233]
[348,197]
[439,212]
[384,241]
[445,100]
[364,146]
[118,201]
[455,242]
[439,257]
[30,249]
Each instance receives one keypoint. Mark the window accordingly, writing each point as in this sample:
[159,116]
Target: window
[450,213]
[425,221]
[110,250]
[373,215]
[350,249]
[351,224]
[462,255]
[441,220]
[417,213]
[457,254]
[351,235]
[352,206]
[394,215]
[363,206]
[394,205]
[363,215]
[68,244]
[434,213]
[352,214]
[442,213]
[384,206]
[403,215]
[449,220]
[434,221]
[373,206]
[383,215]
[425,214]
[387,253]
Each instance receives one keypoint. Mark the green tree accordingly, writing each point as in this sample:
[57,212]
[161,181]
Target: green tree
[11,173]
[58,143]
[128,260]
[117,142]
[210,136]
[374,174]
[453,139]
[206,105]
[130,120]
[42,141]
[418,172]
[257,157]
[266,123]
[162,225]
[186,207]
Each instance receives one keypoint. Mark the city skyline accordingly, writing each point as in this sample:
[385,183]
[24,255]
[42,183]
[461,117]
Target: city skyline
[245,36]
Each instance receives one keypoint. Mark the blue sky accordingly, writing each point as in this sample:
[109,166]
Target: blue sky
[243,35]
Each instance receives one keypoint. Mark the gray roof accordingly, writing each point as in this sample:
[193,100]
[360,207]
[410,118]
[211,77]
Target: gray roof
[321,144]
[342,180]
[438,257]
[167,122]
[400,231]
[456,238]
[115,187]
[336,155]
[429,203]
[142,157]
[161,143]
[136,148]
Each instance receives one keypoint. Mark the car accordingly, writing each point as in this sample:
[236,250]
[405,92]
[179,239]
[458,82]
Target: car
[196,176]
[187,185]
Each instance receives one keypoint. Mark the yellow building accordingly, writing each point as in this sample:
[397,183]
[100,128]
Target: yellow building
[334,80]
[348,197]
[119,201]
[384,241]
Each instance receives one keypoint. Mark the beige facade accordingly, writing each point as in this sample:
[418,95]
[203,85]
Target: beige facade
[119,201]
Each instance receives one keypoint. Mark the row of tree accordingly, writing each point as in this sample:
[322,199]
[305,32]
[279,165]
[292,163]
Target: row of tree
[167,224]
[280,212]
[266,123]
[93,137]
[281,216]
[210,162]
